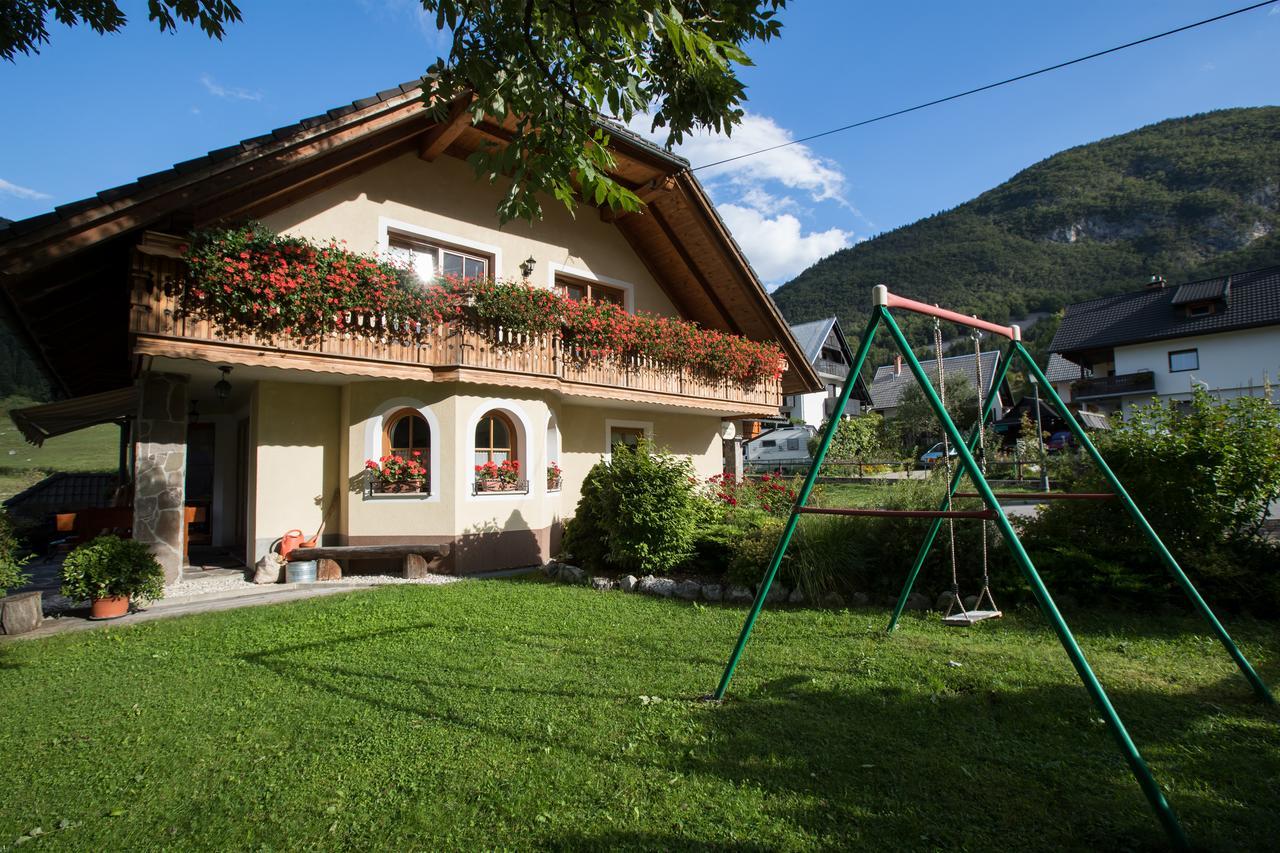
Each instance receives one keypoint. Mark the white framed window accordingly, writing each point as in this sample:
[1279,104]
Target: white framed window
[577,283]
[624,432]
[433,254]
[432,261]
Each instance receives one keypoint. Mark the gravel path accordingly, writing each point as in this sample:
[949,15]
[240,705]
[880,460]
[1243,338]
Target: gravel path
[206,586]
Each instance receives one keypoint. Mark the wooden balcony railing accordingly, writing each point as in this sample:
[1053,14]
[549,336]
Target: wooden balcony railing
[1142,382]
[490,355]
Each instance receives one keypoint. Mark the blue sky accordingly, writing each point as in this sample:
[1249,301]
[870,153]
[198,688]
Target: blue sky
[91,112]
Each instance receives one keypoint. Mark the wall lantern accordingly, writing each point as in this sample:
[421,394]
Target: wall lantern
[223,388]
[526,266]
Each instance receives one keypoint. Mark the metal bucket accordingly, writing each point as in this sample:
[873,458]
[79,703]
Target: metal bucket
[302,571]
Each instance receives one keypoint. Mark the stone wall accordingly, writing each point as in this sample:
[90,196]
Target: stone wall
[161,466]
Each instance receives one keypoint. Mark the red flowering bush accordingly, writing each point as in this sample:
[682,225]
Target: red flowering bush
[771,493]
[250,280]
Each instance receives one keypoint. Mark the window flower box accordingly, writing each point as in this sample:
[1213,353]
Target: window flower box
[395,475]
[554,477]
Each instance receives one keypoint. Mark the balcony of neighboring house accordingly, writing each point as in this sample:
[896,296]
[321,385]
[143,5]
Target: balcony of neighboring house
[381,347]
[1119,385]
[853,408]
[828,368]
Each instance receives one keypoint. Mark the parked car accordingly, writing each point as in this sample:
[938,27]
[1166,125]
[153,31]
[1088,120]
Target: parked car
[1060,440]
[933,455]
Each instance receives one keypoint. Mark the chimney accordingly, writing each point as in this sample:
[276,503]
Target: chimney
[1156,283]
[897,365]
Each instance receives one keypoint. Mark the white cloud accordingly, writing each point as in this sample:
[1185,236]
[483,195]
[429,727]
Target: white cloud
[777,246]
[229,93]
[22,192]
[795,167]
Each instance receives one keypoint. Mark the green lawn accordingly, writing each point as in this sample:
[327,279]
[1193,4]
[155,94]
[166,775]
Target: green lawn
[490,715]
[21,465]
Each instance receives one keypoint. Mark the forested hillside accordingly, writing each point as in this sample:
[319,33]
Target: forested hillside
[1185,198]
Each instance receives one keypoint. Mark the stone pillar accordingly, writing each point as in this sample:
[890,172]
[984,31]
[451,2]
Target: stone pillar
[160,448]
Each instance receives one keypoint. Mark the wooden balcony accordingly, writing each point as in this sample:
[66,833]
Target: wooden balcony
[448,352]
[1120,385]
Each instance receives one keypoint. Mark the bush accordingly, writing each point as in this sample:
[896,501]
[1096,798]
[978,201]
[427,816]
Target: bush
[639,513]
[757,538]
[11,575]
[1203,476]
[855,438]
[110,566]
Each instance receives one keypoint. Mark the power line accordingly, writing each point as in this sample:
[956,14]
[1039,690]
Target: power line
[1006,82]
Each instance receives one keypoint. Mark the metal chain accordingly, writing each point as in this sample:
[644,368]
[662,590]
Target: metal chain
[982,456]
[946,461]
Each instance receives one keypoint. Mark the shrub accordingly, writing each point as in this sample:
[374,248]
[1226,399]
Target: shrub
[855,438]
[770,493]
[11,574]
[1203,476]
[752,550]
[110,566]
[640,512]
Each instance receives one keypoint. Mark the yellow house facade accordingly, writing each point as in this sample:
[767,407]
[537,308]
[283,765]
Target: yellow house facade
[233,441]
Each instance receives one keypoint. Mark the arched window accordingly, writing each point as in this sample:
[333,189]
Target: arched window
[407,435]
[495,439]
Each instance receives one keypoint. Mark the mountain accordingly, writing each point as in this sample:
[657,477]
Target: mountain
[1185,198]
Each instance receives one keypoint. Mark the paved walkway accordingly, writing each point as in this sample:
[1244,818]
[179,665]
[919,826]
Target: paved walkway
[221,596]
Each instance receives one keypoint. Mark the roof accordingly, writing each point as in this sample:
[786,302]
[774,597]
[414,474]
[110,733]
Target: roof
[63,492]
[887,389]
[76,248]
[811,336]
[1061,370]
[1252,299]
[38,423]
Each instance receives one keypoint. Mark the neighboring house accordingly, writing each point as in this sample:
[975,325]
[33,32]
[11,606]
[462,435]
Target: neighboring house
[268,436]
[1062,374]
[824,345]
[1221,334]
[891,381]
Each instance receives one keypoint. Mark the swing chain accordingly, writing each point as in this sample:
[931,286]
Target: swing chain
[946,461]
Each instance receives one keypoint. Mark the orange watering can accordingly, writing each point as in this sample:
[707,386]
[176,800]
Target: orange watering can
[294,539]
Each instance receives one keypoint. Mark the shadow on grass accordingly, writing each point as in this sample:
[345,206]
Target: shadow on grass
[857,764]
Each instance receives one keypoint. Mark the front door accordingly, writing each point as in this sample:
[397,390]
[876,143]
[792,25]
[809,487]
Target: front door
[200,483]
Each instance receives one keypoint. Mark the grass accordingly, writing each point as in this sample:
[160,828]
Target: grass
[21,465]
[523,715]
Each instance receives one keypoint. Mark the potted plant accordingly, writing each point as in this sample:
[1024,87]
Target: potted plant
[553,477]
[394,474]
[498,477]
[110,571]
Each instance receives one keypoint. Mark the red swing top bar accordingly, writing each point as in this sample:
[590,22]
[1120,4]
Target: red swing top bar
[882,296]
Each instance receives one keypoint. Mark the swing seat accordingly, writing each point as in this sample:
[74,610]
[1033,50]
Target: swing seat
[967,617]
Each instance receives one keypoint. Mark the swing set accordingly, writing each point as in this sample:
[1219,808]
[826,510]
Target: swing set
[957,614]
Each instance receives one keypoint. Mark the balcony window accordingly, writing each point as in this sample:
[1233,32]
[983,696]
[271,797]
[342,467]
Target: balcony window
[579,289]
[432,261]
[1183,360]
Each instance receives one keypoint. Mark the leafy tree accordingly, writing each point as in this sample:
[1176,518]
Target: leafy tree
[915,424]
[23,22]
[558,66]
[855,438]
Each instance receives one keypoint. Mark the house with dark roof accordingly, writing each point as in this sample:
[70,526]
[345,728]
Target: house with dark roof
[257,430]
[824,345]
[891,381]
[1220,334]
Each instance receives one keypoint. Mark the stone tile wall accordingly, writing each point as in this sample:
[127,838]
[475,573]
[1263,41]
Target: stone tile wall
[161,467]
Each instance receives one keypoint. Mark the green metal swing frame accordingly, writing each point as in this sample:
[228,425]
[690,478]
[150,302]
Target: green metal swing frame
[882,301]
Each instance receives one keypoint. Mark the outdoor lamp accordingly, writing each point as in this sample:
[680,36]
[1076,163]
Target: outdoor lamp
[223,388]
[526,266]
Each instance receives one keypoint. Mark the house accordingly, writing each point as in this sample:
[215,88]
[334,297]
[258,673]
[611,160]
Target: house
[1221,334]
[824,345]
[891,381]
[264,433]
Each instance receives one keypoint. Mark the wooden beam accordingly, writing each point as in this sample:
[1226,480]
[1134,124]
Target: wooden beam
[436,140]
[648,193]
[694,270]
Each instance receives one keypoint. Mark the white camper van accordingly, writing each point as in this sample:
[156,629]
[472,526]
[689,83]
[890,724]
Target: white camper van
[785,448]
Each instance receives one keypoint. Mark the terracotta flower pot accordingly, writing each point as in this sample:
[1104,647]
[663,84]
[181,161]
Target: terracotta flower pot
[110,608]
[417,484]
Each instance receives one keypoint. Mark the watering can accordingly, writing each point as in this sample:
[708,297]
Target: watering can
[294,539]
